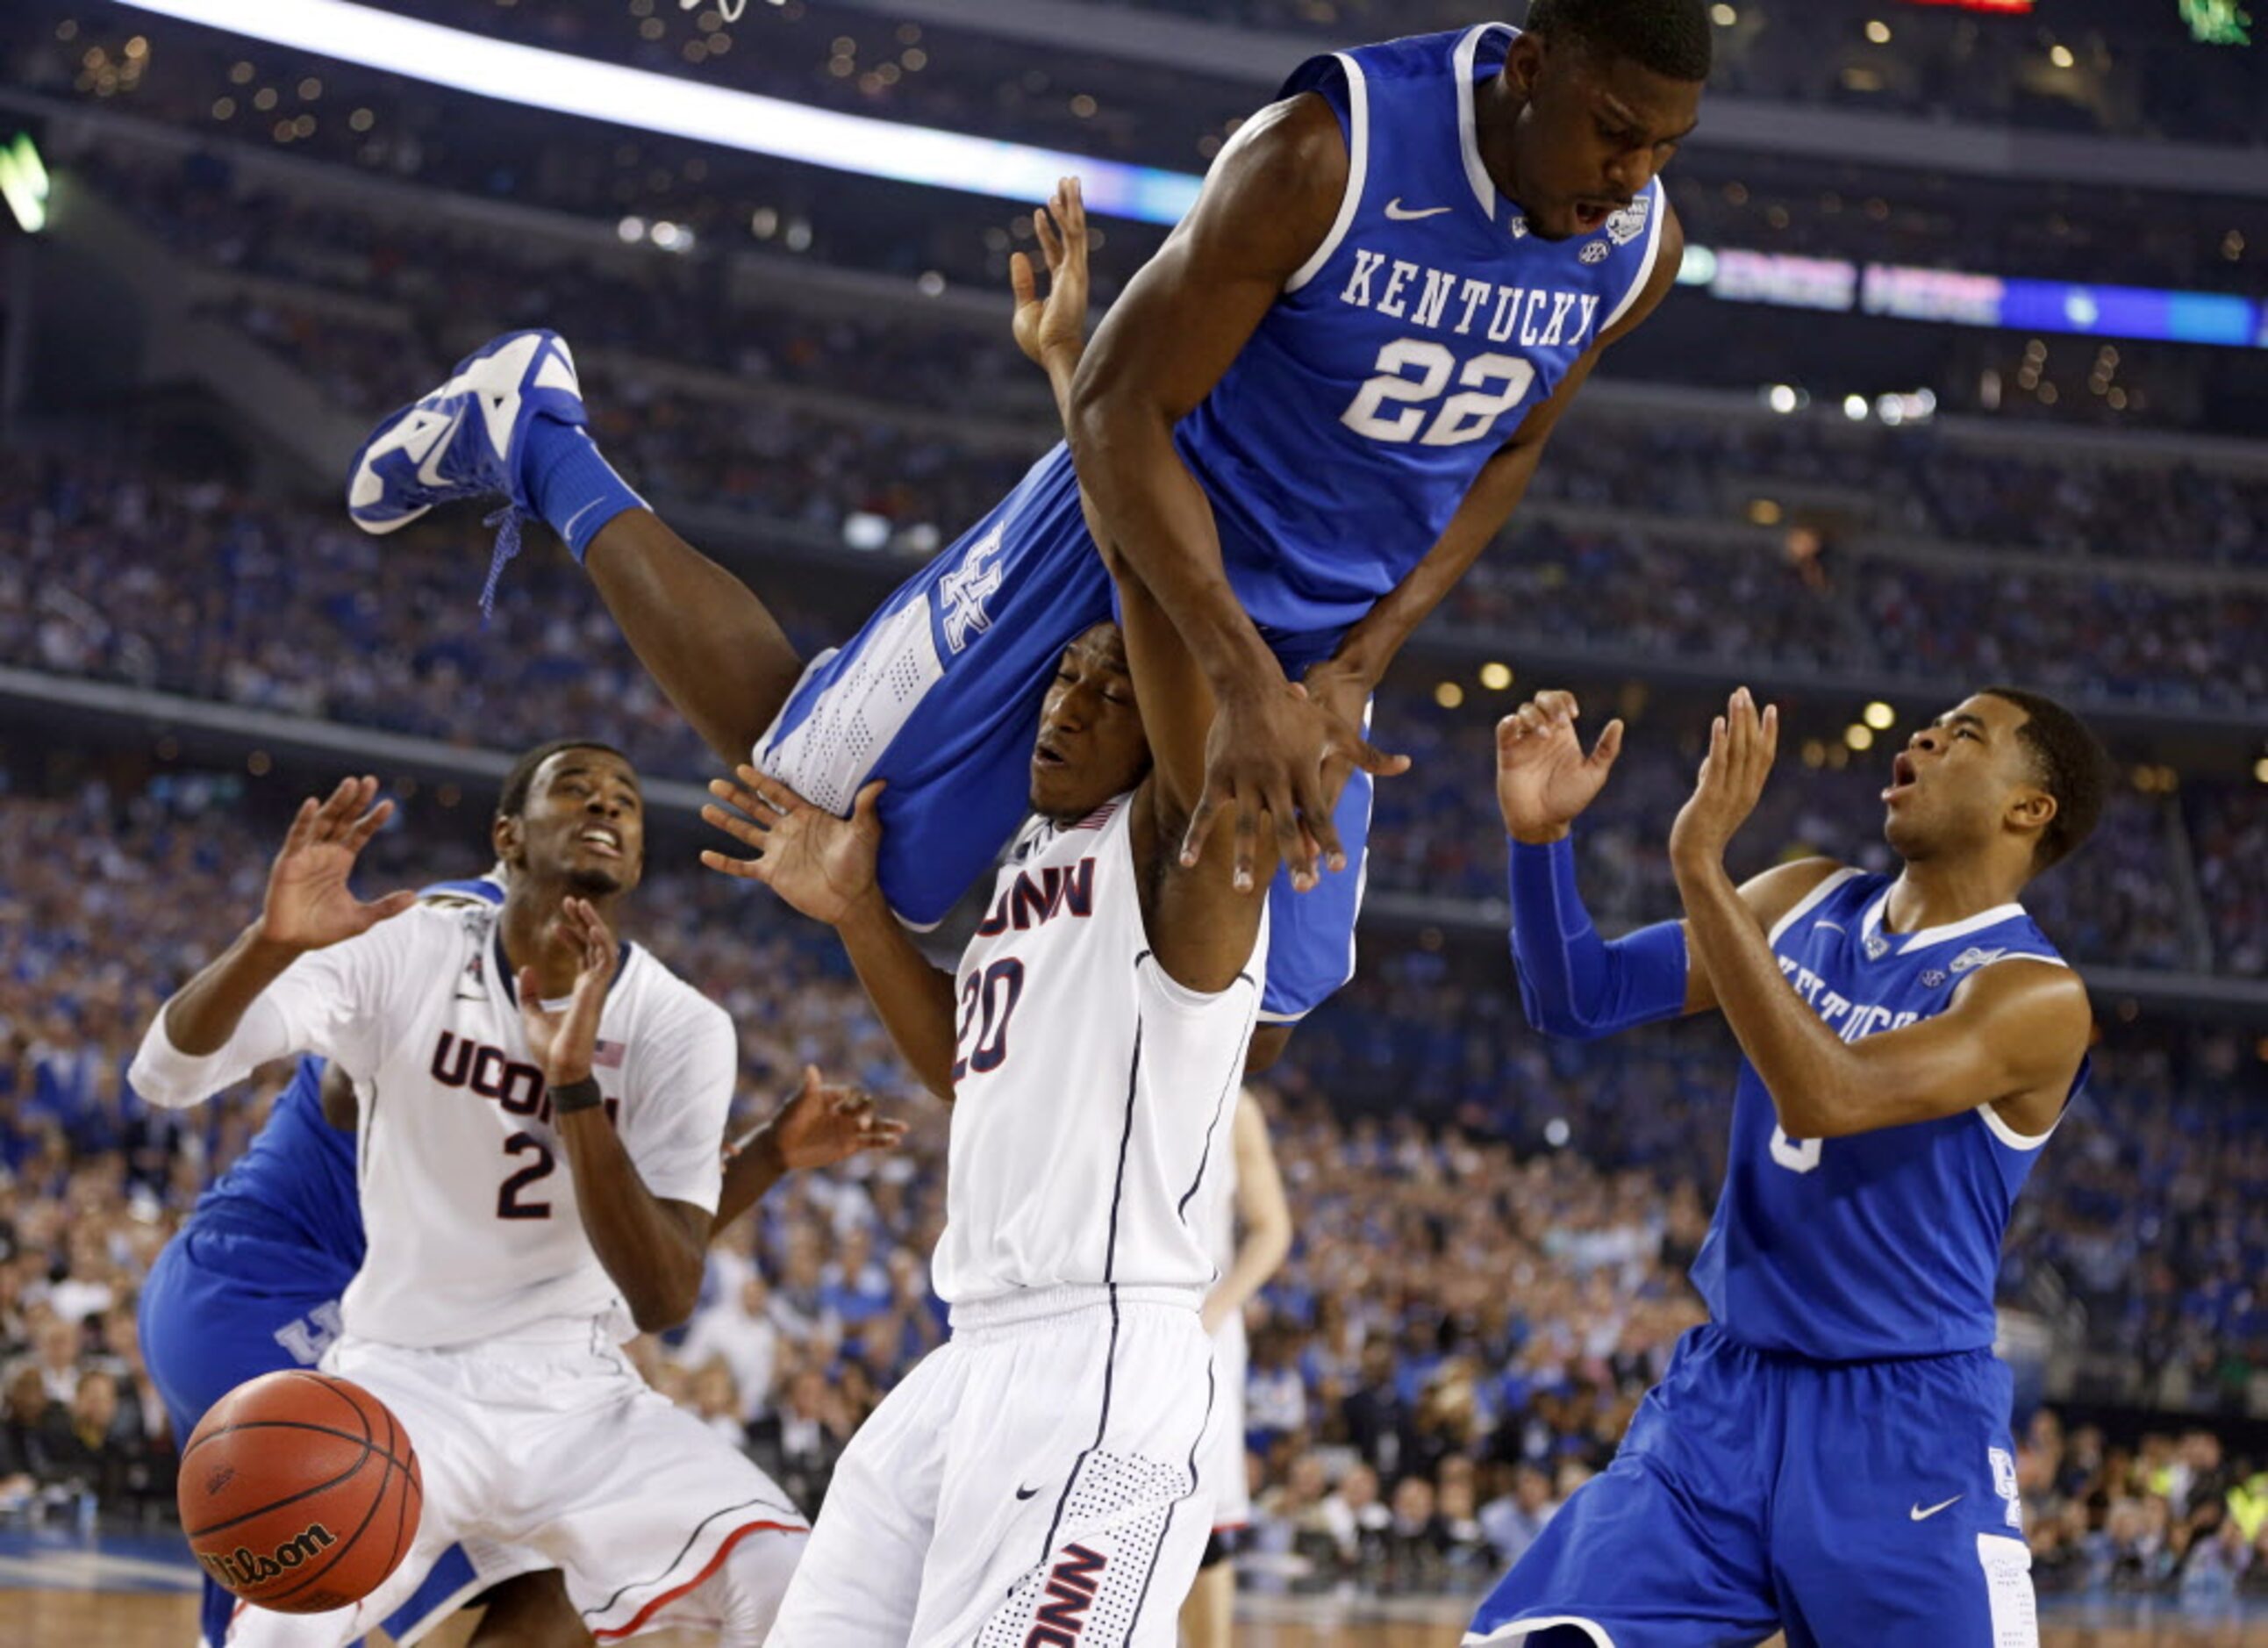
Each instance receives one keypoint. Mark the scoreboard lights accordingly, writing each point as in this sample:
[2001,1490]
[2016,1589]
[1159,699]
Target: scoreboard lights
[24,183]
[2005,8]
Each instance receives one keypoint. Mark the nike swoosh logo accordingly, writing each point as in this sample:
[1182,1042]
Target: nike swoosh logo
[429,471]
[1395,211]
[1920,1515]
[1026,1493]
[567,531]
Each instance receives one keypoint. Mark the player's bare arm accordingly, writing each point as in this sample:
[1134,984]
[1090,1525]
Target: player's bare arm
[1261,1209]
[652,1249]
[819,1126]
[1267,206]
[1544,781]
[308,907]
[2013,1038]
[824,868]
[1349,677]
[1172,691]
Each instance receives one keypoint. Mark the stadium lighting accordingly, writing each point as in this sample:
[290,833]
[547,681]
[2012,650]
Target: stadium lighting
[24,183]
[1854,408]
[1449,695]
[1859,736]
[536,77]
[1781,398]
[1495,676]
[1881,716]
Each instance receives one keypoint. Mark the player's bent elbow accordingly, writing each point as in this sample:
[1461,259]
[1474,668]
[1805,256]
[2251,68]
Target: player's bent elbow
[663,1309]
[157,1087]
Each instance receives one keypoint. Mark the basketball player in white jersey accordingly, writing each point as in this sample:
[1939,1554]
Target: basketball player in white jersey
[1251,1196]
[486,1043]
[1040,1480]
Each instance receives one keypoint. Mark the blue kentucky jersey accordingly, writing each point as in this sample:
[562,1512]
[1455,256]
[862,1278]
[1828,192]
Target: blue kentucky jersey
[295,1181]
[1407,351]
[1884,1244]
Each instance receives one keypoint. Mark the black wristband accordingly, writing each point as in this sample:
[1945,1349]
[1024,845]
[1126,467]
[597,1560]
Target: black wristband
[570,1097]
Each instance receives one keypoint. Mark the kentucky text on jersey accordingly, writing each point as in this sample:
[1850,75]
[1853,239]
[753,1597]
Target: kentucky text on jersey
[1435,298]
[1837,1011]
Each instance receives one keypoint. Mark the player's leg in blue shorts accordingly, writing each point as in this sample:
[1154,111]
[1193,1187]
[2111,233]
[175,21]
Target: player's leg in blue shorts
[1896,1520]
[1668,1547]
[223,1307]
[940,696]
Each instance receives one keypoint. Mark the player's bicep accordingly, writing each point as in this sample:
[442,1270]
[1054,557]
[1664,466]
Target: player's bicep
[2016,1033]
[1267,205]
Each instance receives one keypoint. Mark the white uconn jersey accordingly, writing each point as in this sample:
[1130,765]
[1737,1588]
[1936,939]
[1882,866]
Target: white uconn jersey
[1094,1098]
[466,1194]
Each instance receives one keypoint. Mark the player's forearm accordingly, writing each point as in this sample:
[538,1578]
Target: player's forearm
[1806,1067]
[1159,520]
[644,1247]
[749,1175]
[1259,1257]
[914,1000]
[201,1015]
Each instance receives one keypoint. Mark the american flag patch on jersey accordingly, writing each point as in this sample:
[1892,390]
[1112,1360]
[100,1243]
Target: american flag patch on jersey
[607,1055]
[1099,817]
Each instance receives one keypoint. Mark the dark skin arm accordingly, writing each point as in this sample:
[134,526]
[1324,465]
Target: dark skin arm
[817,1127]
[824,866]
[1203,918]
[1544,781]
[2013,1037]
[309,906]
[652,1250]
[1267,206]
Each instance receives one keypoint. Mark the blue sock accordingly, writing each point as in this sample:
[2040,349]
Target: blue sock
[573,488]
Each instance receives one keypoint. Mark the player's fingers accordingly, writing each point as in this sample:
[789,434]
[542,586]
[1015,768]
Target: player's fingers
[368,825]
[812,1080]
[530,990]
[1609,744]
[739,869]
[1072,210]
[1376,762]
[1050,242]
[1244,841]
[1294,819]
[748,832]
[328,815]
[1201,821]
[1559,704]
[1022,281]
[775,794]
[868,801]
[303,826]
[1318,827]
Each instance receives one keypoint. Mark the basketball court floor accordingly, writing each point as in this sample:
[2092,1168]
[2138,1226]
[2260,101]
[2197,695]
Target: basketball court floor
[138,1591]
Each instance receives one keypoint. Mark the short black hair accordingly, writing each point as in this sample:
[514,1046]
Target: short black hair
[1673,38]
[521,779]
[2072,766]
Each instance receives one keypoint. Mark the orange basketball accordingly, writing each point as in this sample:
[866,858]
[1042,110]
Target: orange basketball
[299,1492]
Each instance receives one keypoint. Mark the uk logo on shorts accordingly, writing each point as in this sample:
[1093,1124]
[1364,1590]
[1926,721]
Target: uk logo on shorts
[967,586]
[2004,1483]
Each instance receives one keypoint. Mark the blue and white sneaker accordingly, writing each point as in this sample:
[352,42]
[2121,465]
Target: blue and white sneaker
[466,439]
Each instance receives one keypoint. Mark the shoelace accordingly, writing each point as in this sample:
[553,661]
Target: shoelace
[507,522]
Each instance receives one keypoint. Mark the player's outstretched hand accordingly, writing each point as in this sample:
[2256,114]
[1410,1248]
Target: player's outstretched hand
[1054,329]
[1279,751]
[309,905]
[1543,779]
[823,866]
[1742,746]
[564,1039]
[823,1125]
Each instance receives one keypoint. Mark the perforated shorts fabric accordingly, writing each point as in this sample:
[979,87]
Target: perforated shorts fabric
[1038,1483]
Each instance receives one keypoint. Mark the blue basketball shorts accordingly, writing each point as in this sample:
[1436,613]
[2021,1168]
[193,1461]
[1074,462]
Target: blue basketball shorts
[939,695]
[1843,1502]
[221,1307]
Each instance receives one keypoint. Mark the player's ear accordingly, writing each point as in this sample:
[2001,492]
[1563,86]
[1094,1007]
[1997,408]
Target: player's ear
[505,836]
[1523,61]
[2032,809]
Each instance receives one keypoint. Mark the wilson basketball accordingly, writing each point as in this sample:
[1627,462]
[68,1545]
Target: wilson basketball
[299,1492]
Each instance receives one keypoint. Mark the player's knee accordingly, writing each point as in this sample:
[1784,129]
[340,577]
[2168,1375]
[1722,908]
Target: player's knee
[530,1611]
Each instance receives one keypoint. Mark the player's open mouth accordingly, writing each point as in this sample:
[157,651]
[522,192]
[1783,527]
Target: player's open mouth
[1902,776]
[603,840]
[1045,755]
[1590,214]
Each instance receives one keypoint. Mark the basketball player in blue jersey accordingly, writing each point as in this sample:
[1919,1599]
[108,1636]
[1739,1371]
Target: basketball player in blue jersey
[1830,1453]
[1300,424]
